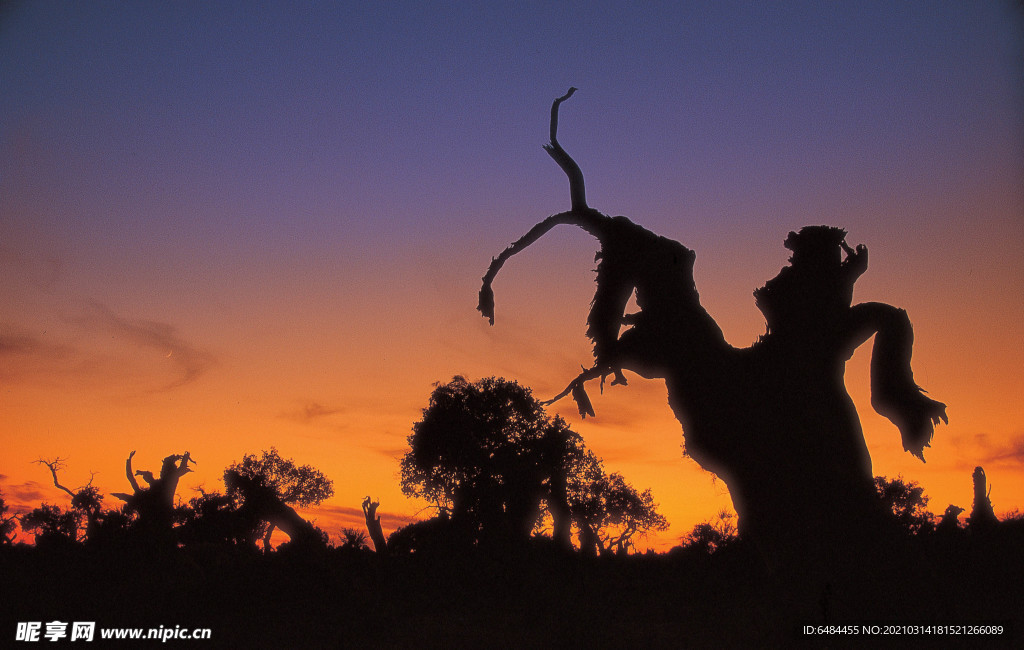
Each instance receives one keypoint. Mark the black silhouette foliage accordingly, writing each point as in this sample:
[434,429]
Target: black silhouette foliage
[486,455]
[265,488]
[7,524]
[907,502]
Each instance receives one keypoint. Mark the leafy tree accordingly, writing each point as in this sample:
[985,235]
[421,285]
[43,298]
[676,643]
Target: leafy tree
[486,455]
[52,525]
[429,536]
[907,503]
[609,511]
[489,459]
[213,518]
[266,487]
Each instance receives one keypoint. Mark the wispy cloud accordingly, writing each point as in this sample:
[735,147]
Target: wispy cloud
[312,412]
[985,449]
[23,351]
[190,360]
[23,497]
[1003,451]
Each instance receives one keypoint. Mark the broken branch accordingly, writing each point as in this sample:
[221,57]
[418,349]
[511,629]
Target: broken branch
[577,191]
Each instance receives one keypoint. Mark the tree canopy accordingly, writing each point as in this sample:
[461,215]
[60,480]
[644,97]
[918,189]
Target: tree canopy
[487,456]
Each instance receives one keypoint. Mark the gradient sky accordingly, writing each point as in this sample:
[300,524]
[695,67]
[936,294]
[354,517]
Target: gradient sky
[226,226]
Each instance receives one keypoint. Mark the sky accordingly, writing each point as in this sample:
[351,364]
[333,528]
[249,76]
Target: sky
[230,226]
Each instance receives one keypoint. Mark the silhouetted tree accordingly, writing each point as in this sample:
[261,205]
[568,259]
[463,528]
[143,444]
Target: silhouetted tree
[609,511]
[52,525]
[774,420]
[93,524]
[154,505]
[486,455]
[86,501]
[983,517]
[907,502]
[214,518]
[437,535]
[7,524]
[353,539]
[950,522]
[267,486]
[709,537]
[373,525]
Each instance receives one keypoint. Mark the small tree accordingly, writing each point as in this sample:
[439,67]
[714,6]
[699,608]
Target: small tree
[213,518]
[353,539]
[609,511]
[906,501]
[267,487]
[710,537]
[6,524]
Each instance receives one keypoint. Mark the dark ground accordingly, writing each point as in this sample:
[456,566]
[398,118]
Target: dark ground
[537,597]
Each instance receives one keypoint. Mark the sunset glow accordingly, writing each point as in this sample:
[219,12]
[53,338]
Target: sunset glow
[223,230]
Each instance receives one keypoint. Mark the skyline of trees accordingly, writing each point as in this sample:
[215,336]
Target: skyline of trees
[530,476]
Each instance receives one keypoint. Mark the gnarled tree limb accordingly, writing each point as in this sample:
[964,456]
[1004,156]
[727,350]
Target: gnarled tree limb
[55,465]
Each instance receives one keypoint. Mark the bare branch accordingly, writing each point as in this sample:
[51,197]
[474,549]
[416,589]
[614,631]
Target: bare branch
[577,191]
[130,474]
[54,465]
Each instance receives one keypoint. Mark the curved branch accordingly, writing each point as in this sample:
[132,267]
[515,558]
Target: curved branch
[131,476]
[577,191]
[588,219]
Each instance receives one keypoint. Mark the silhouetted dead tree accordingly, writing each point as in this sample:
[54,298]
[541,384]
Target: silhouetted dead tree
[87,500]
[154,504]
[373,525]
[983,517]
[774,420]
[949,523]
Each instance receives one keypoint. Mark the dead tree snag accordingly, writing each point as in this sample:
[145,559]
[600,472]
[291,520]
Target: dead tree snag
[773,420]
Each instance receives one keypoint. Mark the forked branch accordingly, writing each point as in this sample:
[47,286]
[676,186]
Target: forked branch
[55,465]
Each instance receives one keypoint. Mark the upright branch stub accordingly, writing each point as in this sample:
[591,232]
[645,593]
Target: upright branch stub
[577,192]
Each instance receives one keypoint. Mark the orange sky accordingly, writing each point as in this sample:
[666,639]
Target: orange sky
[219,237]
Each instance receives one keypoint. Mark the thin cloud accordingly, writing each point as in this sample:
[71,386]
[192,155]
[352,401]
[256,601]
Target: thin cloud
[984,449]
[393,453]
[1009,451]
[190,360]
[25,352]
[21,497]
[17,344]
[311,413]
